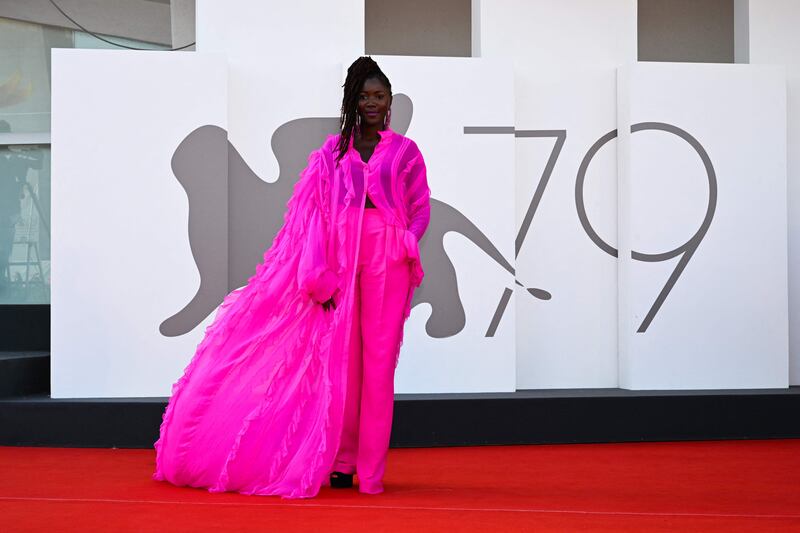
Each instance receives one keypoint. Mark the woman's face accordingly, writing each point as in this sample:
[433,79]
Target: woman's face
[374,102]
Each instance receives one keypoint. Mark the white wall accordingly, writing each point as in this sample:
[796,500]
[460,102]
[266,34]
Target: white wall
[565,56]
[774,39]
[282,57]
[554,33]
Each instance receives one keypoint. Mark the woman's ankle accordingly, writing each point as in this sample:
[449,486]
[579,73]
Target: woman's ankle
[366,487]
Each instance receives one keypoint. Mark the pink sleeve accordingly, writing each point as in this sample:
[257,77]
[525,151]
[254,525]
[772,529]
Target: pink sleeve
[314,275]
[418,195]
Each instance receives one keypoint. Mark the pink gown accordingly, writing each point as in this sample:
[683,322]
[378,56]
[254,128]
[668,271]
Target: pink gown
[259,408]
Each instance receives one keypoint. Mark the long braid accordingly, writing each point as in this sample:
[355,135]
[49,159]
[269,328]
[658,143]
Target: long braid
[361,70]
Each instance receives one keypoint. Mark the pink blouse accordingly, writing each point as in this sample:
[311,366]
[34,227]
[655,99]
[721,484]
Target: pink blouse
[396,177]
[396,181]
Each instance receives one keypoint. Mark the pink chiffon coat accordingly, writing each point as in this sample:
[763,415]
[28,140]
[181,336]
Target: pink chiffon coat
[258,409]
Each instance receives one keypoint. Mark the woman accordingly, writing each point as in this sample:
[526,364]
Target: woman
[292,386]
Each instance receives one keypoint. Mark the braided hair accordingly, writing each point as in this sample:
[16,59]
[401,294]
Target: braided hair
[360,71]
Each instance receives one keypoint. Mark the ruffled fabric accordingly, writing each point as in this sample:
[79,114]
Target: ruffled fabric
[412,253]
[258,409]
[417,273]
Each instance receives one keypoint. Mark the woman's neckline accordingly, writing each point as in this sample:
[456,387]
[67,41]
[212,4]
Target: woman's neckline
[383,136]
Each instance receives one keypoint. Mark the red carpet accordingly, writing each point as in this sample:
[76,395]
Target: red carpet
[693,486]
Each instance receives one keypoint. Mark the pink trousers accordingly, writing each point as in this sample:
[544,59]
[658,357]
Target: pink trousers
[381,289]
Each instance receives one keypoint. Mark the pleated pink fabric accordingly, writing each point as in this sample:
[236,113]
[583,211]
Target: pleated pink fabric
[259,408]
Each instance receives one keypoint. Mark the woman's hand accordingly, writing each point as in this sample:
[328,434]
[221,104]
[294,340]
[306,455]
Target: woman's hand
[328,304]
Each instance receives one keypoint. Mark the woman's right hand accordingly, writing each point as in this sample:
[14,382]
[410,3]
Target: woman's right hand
[328,304]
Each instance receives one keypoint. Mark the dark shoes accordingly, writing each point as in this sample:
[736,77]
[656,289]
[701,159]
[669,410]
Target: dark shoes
[341,481]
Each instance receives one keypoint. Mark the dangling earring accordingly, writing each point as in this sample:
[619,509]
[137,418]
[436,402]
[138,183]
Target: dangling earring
[387,119]
[358,119]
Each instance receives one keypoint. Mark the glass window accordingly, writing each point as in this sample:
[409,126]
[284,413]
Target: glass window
[85,40]
[25,153]
[24,224]
[25,74]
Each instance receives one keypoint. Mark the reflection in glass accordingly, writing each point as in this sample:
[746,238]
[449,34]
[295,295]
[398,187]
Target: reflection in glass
[24,224]
[25,168]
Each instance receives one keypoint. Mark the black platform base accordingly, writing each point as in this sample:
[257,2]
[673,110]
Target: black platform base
[24,373]
[524,417]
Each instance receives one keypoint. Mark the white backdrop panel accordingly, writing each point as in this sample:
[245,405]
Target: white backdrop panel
[565,57]
[724,323]
[121,257]
[475,175]
[774,40]
[570,340]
